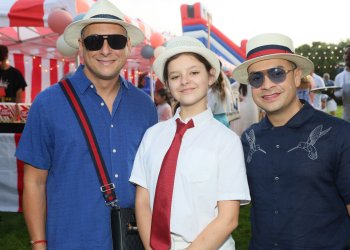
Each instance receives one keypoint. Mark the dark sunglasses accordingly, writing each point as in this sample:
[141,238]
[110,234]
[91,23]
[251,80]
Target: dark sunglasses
[95,42]
[276,75]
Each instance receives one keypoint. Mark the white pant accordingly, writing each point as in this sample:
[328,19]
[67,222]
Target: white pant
[178,243]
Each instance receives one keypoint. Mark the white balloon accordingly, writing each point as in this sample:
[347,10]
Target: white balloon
[158,51]
[78,17]
[64,48]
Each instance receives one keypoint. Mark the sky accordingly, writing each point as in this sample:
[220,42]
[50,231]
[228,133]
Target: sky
[305,21]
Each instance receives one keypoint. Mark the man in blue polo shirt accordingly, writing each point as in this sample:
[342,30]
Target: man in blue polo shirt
[63,205]
[297,158]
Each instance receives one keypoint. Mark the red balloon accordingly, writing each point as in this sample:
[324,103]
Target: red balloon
[156,40]
[58,20]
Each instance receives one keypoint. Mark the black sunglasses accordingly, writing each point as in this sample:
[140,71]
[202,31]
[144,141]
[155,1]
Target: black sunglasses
[95,42]
[276,75]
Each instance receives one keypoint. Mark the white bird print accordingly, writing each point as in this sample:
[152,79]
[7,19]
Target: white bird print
[253,147]
[309,145]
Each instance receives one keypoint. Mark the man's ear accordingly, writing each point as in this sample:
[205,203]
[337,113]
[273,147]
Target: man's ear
[297,77]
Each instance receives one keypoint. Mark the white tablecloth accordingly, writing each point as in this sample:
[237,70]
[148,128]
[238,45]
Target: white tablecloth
[11,174]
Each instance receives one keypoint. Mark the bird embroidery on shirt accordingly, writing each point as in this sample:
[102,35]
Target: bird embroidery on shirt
[309,145]
[253,147]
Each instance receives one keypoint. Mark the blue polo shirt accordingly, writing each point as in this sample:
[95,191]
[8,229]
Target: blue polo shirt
[77,217]
[299,179]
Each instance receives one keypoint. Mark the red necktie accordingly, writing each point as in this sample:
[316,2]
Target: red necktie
[160,227]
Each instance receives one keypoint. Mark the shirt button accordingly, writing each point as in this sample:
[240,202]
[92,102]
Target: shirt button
[102,103]
[277,178]
[276,212]
[112,126]
[277,146]
[91,86]
[114,150]
[116,175]
[276,244]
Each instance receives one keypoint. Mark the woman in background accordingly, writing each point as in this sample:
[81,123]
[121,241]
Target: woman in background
[220,100]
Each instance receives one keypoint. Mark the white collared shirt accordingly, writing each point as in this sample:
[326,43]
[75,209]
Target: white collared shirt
[210,168]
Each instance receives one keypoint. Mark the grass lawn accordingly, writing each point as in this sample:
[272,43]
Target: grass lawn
[242,234]
[14,236]
[13,232]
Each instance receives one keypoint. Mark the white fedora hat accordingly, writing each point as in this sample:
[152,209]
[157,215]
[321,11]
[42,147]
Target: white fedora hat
[270,46]
[103,11]
[182,44]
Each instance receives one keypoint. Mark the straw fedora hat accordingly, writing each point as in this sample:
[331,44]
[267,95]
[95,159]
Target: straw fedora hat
[270,46]
[184,44]
[103,11]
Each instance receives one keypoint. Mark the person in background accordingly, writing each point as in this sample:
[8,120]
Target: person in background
[188,194]
[163,101]
[158,85]
[299,184]
[248,111]
[141,80]
[220,99]
[12,83]
[343,80]
[144,83]
[317,82]
[324,103]
[331,105]
[63,205]
[304,88]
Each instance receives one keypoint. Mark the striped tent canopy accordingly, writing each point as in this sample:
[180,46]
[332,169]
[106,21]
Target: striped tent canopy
[24,25]
[25,31]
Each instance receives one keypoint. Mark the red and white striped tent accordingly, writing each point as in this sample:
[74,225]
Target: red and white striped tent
[32,46]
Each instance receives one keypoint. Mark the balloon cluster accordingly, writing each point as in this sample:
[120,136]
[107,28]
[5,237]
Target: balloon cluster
[157,42]
[58,20]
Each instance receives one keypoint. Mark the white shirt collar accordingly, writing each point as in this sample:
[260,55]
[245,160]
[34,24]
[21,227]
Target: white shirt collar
[198,119]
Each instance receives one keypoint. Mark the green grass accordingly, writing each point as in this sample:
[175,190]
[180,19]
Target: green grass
[339,112]
[13,232]
[242,233]
[14,236]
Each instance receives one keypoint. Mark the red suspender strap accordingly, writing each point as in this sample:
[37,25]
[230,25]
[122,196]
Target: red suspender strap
[107,187]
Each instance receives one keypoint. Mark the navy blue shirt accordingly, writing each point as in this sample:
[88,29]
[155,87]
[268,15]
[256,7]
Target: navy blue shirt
[53,140]
[299,179]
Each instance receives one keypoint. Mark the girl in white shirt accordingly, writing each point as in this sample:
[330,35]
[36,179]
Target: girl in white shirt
[210,179]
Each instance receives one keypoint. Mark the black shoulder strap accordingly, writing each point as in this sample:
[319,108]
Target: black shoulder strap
[107,187]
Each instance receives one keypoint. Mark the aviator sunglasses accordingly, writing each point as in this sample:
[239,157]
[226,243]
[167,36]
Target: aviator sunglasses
[95,42]
[276,75]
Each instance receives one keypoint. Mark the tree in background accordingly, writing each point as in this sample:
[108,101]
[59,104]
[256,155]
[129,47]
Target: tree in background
[327,57]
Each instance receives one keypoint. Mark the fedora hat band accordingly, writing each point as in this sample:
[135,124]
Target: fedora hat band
[268,50]
[107,16]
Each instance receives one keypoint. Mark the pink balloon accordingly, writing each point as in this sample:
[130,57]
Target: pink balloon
[58,20]
[156,40]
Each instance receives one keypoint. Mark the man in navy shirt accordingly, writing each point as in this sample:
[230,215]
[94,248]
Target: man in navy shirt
[63,205]
[297,158]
